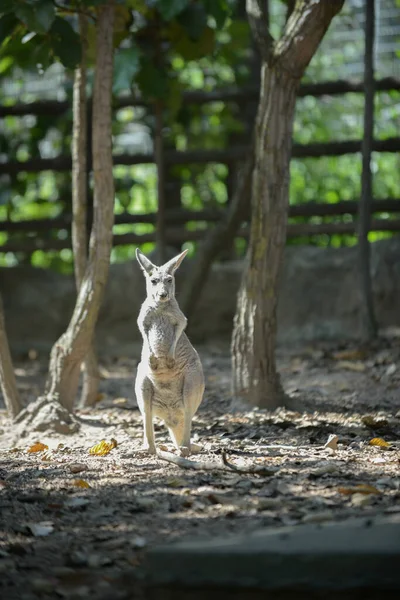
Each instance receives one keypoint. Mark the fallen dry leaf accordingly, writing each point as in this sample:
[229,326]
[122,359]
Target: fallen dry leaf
[363,488]
[332,442]
[355,354]
[81,483]
[103,447]
[379,442]
[374,422]
[38,447]
[351,366]
[119,401]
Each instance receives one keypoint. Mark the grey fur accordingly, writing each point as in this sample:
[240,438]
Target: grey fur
[170,381]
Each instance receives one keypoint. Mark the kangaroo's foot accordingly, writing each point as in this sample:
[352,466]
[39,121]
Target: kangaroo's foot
[184,451]
[149,448]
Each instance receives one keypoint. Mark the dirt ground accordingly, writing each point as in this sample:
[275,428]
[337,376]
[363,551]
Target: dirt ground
[75,525]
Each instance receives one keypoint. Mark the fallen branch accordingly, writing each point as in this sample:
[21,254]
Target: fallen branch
[185,463]
[252,470]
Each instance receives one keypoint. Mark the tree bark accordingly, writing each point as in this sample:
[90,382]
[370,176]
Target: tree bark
[71,349]
[7,377]
[79,206]
[255,377]
[370,326]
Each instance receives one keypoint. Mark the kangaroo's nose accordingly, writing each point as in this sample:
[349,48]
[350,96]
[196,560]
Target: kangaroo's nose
[163,294]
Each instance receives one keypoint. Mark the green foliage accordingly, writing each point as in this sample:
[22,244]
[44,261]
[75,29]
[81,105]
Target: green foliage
[37,15]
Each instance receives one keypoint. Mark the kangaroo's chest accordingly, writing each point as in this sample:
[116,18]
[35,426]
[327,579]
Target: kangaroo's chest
[161,330]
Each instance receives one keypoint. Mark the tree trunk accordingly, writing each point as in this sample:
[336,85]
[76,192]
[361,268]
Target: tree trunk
[255,378]
[79,206]
[253,342]
[71,349]
[7,377]
[370,326]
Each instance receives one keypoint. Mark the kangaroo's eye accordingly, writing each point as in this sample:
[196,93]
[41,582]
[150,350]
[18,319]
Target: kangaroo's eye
[154,281]
[169,279]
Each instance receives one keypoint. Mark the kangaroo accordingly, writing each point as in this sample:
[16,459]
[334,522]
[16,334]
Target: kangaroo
[170,381]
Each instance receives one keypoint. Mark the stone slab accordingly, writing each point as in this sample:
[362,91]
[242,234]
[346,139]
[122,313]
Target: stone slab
[357,554]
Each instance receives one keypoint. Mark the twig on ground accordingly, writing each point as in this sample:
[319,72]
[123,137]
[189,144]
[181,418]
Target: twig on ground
[252,470]
[185,463]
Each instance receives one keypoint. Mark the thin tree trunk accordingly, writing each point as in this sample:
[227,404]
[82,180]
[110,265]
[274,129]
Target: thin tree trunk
[255,377]
[71,349]
[159,160]
[367,304]
[7,376]
[254,337]
[219,238]
[79,206]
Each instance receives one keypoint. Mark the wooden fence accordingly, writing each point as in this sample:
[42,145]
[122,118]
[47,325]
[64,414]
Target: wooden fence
[177,219]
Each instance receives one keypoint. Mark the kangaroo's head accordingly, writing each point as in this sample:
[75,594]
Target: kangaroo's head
[160,281]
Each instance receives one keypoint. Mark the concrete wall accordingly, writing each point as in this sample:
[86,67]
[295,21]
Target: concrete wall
[319,299]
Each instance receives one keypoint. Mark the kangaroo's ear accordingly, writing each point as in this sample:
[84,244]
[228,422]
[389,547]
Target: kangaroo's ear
[172,265]
[145,264]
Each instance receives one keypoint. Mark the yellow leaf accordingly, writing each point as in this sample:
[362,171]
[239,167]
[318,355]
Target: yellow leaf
[38,447]
[80,483]
[103,447]
[379,442]
[363,488]
[99,397]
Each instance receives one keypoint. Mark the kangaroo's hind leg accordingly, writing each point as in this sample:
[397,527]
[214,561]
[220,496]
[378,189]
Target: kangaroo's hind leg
[144,396]
[192,395]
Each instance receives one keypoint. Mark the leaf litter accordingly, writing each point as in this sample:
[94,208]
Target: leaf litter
[99,505]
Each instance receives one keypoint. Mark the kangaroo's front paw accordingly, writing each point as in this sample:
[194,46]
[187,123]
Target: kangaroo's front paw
[153,360]
[170,362]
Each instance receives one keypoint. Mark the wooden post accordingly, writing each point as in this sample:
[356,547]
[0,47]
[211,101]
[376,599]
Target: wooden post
[364,266]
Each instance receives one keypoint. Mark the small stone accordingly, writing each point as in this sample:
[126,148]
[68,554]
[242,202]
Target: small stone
[362,499]
[77,467]
[138,542]
[42,585]
[146,504]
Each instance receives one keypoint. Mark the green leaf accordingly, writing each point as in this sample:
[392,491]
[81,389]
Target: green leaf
[65,43]
[194,20]
[126,66]
[7,6]
[218,9]
[187,48]
[169,9]
[7,26]
[38,16]
[153,82]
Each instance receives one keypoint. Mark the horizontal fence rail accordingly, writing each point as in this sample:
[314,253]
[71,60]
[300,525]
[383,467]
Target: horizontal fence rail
[175,236]
[174,157]
[325,88]
[177,219]
[181,216]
